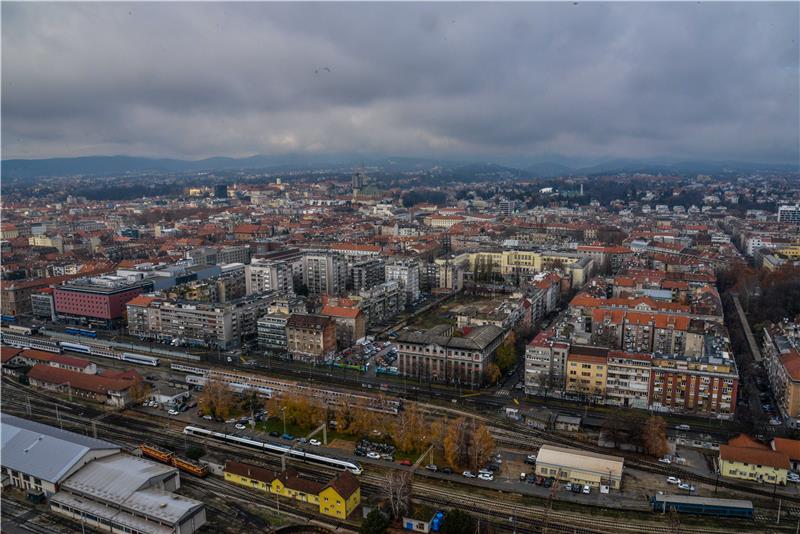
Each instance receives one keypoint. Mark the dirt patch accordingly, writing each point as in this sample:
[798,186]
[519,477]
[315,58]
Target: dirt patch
[341,444]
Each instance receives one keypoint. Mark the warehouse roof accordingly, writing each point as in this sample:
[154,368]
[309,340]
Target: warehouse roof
[123,480]
[43,451]
[583,460]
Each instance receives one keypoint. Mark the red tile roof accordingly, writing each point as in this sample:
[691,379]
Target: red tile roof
[77,380]
[339,311]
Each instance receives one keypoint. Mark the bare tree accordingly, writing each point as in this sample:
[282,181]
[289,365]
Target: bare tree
[397,489]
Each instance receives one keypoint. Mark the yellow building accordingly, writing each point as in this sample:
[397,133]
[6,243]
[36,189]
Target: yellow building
[338,498]
[587,368]
[508,262]
[747,459]
[792,252]
[341,496]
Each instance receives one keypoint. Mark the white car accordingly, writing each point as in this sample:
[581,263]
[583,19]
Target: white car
[468,474]
[374,455]
[239,426]
[665,460]
[587,490]
[685,486]
[775,421]
[486,476]
[173,412]
[314,442]
[673,480]
[794,479]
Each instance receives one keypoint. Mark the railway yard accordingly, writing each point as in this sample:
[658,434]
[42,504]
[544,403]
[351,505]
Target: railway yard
[521,509]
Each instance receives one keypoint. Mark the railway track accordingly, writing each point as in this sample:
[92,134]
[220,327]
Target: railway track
[525,439]
[130,428]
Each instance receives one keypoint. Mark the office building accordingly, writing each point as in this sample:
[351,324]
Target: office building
[789,214]
[98,301]
[407,273]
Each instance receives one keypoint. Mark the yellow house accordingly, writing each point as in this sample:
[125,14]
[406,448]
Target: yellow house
[747,459]
[336,499]
[289,484]
[341,496]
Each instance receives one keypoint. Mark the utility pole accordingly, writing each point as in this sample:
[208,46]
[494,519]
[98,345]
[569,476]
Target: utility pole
[94,428]
[58,417]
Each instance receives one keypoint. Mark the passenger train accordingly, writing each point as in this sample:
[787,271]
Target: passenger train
[275,448]
[22,341]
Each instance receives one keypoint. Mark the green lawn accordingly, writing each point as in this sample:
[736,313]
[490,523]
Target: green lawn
[275,424]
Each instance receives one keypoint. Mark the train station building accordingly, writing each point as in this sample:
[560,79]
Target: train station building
[579,467]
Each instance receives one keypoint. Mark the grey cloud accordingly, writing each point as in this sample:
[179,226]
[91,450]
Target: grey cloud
[717,80]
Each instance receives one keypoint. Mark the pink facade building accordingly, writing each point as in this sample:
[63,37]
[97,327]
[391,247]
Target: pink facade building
[96,301]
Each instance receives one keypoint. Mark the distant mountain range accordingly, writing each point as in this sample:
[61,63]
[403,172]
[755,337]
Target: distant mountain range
[550,167]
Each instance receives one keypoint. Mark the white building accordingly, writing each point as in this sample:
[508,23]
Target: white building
[789,214]
[407,273]
[262,276]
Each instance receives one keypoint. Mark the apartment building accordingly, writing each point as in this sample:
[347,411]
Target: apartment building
[366,274]
[350,324]
[221,326]
[407,273]
[545,363]
[628,379]
[782,361]
[272,332]
[324,273]
[704,384]
[310,336]
[587,368]
[263,276]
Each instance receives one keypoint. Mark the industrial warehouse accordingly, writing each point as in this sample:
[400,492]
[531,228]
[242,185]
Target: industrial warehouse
[94,483]
[581,467]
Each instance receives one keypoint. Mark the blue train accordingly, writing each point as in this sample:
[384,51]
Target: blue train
[687,504]
[80,332]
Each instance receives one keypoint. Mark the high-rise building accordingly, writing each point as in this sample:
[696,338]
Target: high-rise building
[324,273]
[367,274]
[268,275]
[407,273]
[789,214]
[221,191]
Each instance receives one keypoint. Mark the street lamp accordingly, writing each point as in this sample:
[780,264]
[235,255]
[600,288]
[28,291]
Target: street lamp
[283,413]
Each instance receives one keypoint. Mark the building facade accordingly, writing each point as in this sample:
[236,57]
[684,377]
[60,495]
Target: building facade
[310,336]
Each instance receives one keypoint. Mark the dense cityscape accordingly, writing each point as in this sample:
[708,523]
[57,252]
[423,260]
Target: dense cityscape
[315,343]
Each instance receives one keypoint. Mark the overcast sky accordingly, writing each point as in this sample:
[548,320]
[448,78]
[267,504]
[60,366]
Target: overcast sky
[683,80]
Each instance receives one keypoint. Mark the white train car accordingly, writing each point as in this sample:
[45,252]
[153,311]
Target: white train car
[274,448]
[22,341]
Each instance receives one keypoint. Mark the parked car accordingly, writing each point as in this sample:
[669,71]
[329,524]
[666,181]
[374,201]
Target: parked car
[530,459]
[432,467]
[673,480]
[406,462]
[468,474]
[374,455]
[173,412]
[274,434]
[793,477]
[548,482]
[682,427]
[240,426]
[685,486]
[522,477]
[288,436]
[208,418]
[485,472]
[587,490]
[531,479]
[314,442]
[665,460]
[447,471]
[484,476]
[775,421]
[359,452]
[576,488]
[568,486]
[539,481]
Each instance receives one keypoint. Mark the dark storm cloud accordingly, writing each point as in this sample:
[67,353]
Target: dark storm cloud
[687,80]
